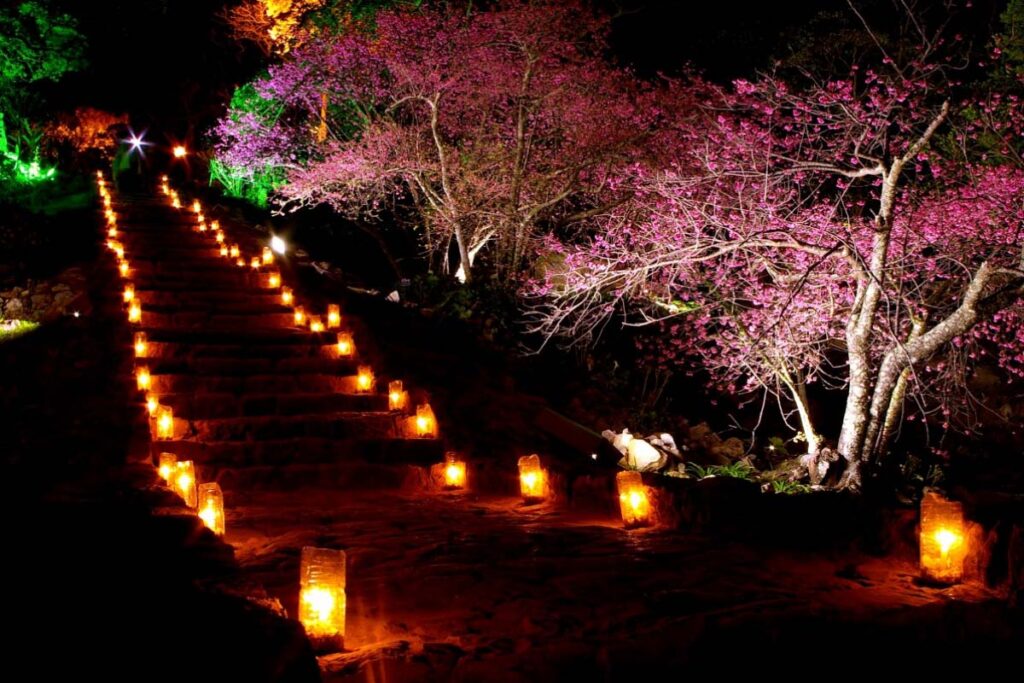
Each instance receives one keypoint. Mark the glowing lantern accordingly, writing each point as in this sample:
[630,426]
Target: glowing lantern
[164,422]
[215,226]
[454,472]
[134,312]
[426,424]
[273,280]
[112,232]
[167,464]
[143,380]
[633,500]
[201,227]
[152,404]
[116,247]
[346,345]
[268,256]
[240,262]
[141,344]
[255,263]
[197,207]
[943,538]
[129,292]
[235,251]
[99,174]
[316,324]
[286,296]
[532,478]
[333,315]
[364,379]
[164,178]
[396,397]
[175,202]
[300,315]
[322,594]
[185,482]
[180,151]
[123,268]
[220,237]
[211,507]
[223,250]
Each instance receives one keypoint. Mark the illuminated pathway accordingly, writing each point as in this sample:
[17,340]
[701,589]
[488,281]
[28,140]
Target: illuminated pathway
[469,585]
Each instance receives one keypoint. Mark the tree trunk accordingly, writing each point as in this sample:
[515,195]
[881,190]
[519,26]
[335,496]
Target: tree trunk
[465,265]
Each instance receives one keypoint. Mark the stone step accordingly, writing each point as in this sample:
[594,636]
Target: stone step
[261,337]
[219,321]
[224,405]
[177,351]
[254,384]
[333,426]
[246,367]
[159,298]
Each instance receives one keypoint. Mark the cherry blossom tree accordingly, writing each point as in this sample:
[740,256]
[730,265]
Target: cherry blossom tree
[865,234]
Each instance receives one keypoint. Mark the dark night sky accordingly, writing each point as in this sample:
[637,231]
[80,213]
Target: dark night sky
[146,54]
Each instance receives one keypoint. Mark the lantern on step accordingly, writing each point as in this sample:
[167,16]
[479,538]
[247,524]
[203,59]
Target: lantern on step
[123,268]
[346,345]
[316,324]
[364,379]
[129,292]
[299,315]
[215,226]
[397,398]
[219,237]
[943,539]
[112,231]
[117,248]
[268,256]
[235,251]
[454,472]
[142,378]
[322,595]
[286,296]
[184,482]
[240,262]
[164,423]
[333,316]
[196,206]
[634,502]
[426,424]
[201,226]
[532,478]
[175,202]
[152,403]
[141,344]
[211,507]
[255,263]
[223,250]
[273,280]
[134,312]
[166,466]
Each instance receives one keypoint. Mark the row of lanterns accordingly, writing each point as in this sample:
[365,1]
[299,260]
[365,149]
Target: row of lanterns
[206,498]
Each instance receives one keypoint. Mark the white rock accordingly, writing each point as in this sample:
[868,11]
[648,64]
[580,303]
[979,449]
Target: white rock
[643,456]
[622,441]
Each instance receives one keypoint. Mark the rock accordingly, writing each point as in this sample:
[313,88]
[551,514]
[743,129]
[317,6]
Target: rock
[61,287]
[620,441]
[41,302]
[644,457]
[666,443]
[14,309]
[732,448]
[699,431]
[64,298]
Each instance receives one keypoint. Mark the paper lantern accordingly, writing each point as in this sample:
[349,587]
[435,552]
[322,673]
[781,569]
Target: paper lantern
[141,344]
[223,250]
[175,202]
[196,206]
[164,423]
[268,256]
[426,424]
[235,252]
[274,280]
[454,472]
[240,262]
[134,312]
[286,296]
[333,315]
[201,225]
[532,478]
[364,379]
[184,483]
[211,507]
[123,268]
[152,403]
[142,378]
[299,315]
[396,397]
[117,248]
[215,226]
[943,539]
[346,345]
[219,236]
[166,466]
[129,292]
[112,231]
[322,594]
[316,324]
[255,263]
[634,502]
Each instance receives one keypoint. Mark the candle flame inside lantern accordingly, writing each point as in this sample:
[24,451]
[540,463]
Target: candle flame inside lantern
[396,397]
[364,379]
[167,464]
[129,293]
[143,380]
[322,592]
[634,503]
[175,202]
[346,346]
[211,507]
[215,225]
[255,262]
[134,312]
[274,280]
[333,315]
[201,227]
[164,422]
[240,262]
[943,540]
[223,251]
[141,344]
[946,540]
[185,482]
[315,324]
[426,423]
[122,268]
[151,404]
[531,478]
[196,206]
[300,315]
[235,251]
[286,296]
[219,237]
[454,472]
[268,256]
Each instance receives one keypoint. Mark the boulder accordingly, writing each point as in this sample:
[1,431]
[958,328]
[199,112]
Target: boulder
[644,457]
[14,309]
[732,448]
